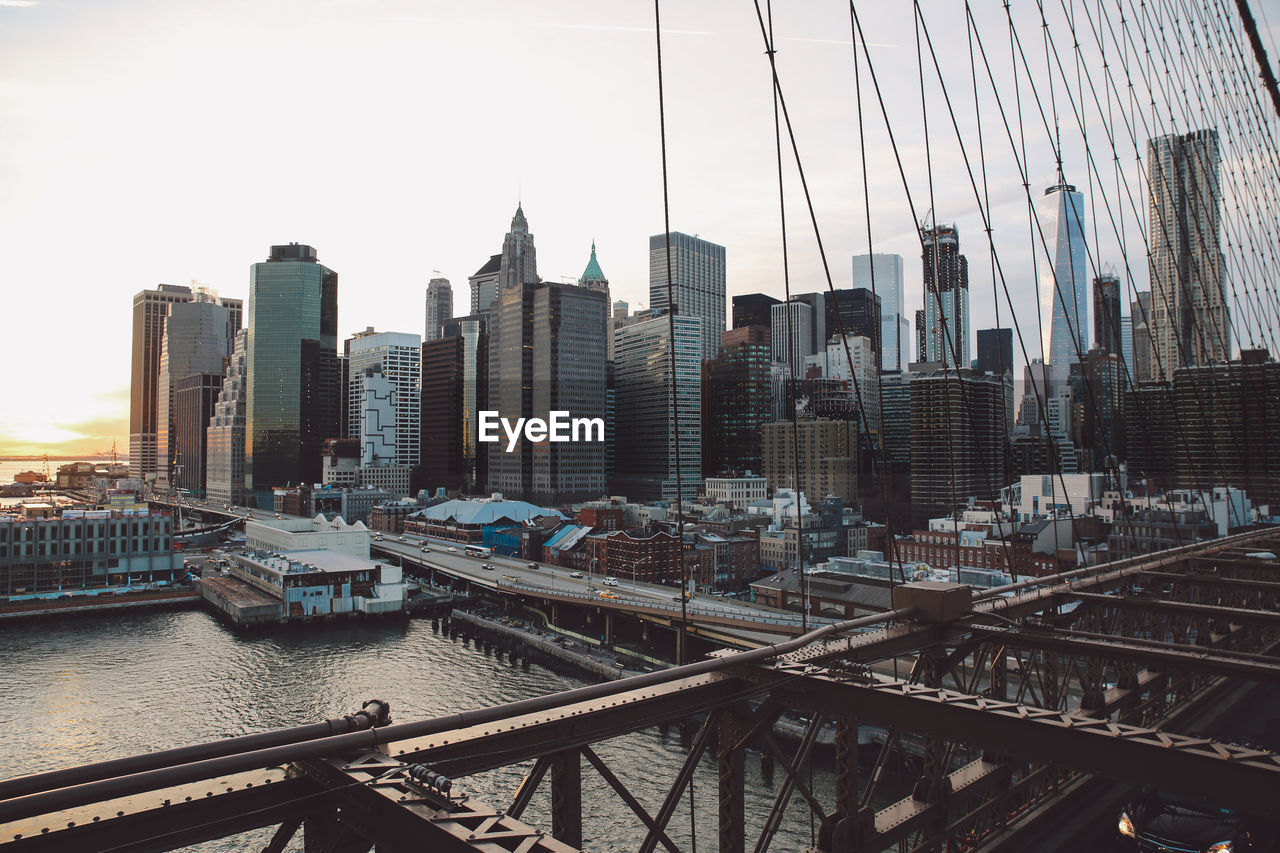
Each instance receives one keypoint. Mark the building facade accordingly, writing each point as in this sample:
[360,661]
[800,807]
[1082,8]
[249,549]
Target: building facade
[292,369]
[1063,282]
[697,270]
[225,438]
[439,307]
[736,401]
[946,298]
[882,275]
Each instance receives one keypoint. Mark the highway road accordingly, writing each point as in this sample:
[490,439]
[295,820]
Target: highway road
[514,573]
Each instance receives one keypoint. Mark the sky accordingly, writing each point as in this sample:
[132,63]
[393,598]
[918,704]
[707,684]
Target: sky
[146,142]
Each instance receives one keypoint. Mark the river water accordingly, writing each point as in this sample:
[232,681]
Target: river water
[105,686]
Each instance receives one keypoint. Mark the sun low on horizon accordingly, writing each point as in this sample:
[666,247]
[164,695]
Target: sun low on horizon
[55,427]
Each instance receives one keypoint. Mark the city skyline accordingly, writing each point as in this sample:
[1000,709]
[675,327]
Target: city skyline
[126,129]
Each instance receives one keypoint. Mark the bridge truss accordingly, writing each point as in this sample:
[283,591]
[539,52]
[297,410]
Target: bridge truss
[1009,703]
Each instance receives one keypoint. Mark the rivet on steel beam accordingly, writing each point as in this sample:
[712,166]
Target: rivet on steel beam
[70,824]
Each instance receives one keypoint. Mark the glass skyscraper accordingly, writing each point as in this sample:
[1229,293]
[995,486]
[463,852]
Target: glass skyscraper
[646,459]
[292,369]
[1064,288]
[895,330]
[697,283]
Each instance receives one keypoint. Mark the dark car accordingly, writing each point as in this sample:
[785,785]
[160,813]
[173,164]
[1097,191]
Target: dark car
[1163,823]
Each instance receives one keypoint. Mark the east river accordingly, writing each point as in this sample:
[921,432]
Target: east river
[98,687]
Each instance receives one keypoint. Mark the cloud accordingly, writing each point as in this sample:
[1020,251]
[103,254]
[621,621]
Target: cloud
[844,42]
[19,4]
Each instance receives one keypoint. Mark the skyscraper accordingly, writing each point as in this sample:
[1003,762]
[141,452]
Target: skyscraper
[292,370]
[1063,288]
[1189,322]
[791,334]
[1142,366]
[439,307]
[647,469]
[857,312]
[396,356]
[592,277]
[474,391]
[752,309]
[484,285]
[444,383]
[922,337]
[885,271]
[736,401]
[995,351]
[946,297]
[192,358]
[519,259]
[697,280]
[150,310]
[224,469]
[1107,327]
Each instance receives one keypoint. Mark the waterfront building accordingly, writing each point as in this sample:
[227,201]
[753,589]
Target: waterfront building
[150,311]
[392,358]
[753,309]
[643,376]
[1189,320]
[736,401]
[697,270]
[193,356]
[439,307]
[292,369]
[636,554]
[83,549]
[319,583]
[308,534]
[945,331]
[225,437]
[1063,282]
[469,521]
[881,274]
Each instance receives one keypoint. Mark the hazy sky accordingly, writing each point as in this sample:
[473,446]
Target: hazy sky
[145,142]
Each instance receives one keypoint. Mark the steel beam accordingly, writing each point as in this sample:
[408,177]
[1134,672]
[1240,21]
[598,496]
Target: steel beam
[1178,608]
[1197,767]
[1214,580]
[178,817]
[1172,655]
[566,797]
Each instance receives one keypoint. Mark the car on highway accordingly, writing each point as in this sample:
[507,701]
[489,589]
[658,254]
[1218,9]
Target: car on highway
[486,567]
[610,581]
[452,550]
[424,549]
[1159,821]
[678,596]
[575,574]
[608,595]
[533,567]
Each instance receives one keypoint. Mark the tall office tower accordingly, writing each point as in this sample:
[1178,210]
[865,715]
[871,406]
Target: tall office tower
[484,285]
[697,282]
[472,374]
[995,351]
[192,358]
[1126,343]
[547,353]
[1152,427]
[439,307]
[292,353]
[885,272]
[397,356]
[642,374]
[797,319]
[753,309]
[858,312]
[1228,417]
[1189,321]
[444,384]
[150,309]
[863,380]
[592,277]
[895,417]
[1063,283]
[1108,328]
[957,439]
[519,264]
[224,468]
[378,418]
[922,337]
[1143,365]
[946,297]
[827,457]
[1098,384]
[736,401]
